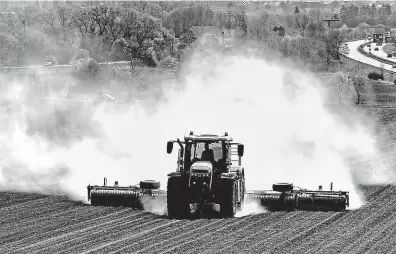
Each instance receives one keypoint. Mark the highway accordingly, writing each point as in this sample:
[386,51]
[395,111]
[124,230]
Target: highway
[356,55]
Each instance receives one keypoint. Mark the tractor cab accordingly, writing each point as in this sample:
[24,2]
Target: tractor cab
[207,151]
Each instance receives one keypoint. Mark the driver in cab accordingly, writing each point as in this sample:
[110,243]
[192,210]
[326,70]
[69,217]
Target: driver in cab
[207,154]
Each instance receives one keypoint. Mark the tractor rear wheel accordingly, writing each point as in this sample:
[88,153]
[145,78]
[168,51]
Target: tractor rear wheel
[228,206]
[177,200]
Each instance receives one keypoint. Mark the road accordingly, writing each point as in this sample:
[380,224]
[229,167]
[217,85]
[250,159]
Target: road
[52,67]
[356,55]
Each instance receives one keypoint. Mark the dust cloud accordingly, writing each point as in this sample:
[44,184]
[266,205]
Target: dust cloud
[250,207]
[274,109]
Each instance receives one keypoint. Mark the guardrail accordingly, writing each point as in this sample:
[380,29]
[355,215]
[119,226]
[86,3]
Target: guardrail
[379,59]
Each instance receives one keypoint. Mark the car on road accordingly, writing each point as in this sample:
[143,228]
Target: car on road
[389,55]
[376,49]
[394,66]
[47,63]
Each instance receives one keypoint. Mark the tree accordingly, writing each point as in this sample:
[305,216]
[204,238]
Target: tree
[341,86]
[358,83]
[9,46]
[302,22]
[65,19]
[296,10]
[334,43]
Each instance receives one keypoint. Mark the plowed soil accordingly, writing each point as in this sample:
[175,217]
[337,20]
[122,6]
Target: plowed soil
[53,224]
[32,223]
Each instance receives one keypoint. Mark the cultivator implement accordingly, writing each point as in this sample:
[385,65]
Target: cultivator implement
[284,197]
[127,196]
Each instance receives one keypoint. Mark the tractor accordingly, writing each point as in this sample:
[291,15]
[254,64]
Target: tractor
[209,171]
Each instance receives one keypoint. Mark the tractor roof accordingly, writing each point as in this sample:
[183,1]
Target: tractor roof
[207,137]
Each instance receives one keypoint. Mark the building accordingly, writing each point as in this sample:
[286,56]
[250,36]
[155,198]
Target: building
[378,37]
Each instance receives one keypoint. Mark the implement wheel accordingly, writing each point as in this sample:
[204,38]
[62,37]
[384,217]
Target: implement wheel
[149,184]
[282,187]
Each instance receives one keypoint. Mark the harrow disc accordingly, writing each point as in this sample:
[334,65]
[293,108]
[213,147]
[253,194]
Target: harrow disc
[116,198]
[321,203]
[276,201]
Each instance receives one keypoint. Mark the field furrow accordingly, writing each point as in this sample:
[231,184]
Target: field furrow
[66,237]
[238,232]
[96,236]
[187,238]
[56,225]
[69,225]
[157,239]
[356,222]
[251,239]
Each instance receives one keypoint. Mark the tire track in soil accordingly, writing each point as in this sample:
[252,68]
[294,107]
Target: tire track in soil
[356,222]
[196,234]
[227,239]
[25,228]
[280,248]
[269,235]
[23,210]
[55,226]
[208,223]
[190,235]
[287,230]
[191,238]
[391,247]
[41,215]
[66,240]
[261,231]
[148,243]
[13,198]
[128,238]
[89,239]
[375,235]
[66,226]
[386,245]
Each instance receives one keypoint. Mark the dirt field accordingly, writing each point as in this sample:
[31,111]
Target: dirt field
[53,224]
[49,224]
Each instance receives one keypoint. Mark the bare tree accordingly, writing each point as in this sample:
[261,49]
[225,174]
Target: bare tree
[382,69]
[341,86]
[358,83]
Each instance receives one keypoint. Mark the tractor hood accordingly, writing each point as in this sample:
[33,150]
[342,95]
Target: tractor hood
[201,167]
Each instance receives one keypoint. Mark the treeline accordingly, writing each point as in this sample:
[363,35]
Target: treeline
[154,32]
[144,30]
[352,15]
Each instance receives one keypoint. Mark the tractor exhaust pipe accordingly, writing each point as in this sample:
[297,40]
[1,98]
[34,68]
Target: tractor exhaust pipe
[331,186]
[105,181]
